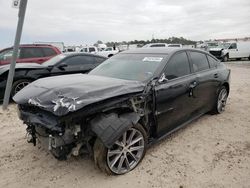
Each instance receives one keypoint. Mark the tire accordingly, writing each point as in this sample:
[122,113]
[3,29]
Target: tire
[249,58]
[18,85]
[225,58]
[110,55]
[221,101]
[119,159]
[238,59]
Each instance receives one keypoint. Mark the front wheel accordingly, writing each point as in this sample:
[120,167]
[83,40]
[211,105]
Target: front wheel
[18,85]
[225,58]
[125,154]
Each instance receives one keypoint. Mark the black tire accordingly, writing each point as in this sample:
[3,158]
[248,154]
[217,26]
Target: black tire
[225,58]
[217,108]
[17,86]
[238,59]
[101,153]
[110,55]
[249,58]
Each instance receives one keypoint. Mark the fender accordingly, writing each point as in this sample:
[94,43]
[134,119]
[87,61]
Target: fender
[109,127]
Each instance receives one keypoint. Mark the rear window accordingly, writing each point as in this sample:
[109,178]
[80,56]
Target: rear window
[199,61]
[30,52]
[99,59]
[48,52]
[212,61]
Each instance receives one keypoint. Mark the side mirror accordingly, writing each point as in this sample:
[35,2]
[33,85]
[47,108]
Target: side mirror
[62,66]
[163,78]
[50,67]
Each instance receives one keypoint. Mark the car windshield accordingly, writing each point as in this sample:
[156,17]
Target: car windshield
[212,44]
[140,67]
[226,45]
[54,60]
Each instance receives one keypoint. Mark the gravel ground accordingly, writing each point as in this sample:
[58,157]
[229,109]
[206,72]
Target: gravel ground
[213,151]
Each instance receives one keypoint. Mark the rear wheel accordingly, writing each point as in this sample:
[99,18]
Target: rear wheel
[221,101]
[18,85]
[125,154]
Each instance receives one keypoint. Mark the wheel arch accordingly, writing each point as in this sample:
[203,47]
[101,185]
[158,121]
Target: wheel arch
[226,84]
[109,127]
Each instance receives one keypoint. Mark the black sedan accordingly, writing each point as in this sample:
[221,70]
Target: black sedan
[67,63]
[125,104]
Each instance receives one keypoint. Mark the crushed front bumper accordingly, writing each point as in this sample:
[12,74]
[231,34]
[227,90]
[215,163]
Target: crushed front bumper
[48,131]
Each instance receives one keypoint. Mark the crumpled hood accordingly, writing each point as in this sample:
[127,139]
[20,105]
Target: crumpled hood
[215,49]
[63,94]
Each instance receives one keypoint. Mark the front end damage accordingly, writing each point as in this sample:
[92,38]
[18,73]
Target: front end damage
[75,133]
[67,116]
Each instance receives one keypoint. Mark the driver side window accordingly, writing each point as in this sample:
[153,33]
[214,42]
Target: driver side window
[178,66]
[233,46]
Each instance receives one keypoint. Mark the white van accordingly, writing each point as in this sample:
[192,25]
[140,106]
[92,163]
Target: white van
[232,50]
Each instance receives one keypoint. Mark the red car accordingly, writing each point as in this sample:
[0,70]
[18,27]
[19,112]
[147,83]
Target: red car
[29,53]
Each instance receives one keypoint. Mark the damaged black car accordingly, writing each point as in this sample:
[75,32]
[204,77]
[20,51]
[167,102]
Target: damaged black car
[124,105]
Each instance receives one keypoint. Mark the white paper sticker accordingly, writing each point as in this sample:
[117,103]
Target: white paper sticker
[154,59]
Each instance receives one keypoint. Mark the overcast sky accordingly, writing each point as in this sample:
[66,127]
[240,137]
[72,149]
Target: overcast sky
[86,21]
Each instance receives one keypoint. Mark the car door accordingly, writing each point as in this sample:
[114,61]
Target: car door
[207,81]
[174,101]
[233,51]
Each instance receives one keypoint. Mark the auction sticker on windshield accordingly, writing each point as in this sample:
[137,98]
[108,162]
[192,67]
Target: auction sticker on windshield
[154,59]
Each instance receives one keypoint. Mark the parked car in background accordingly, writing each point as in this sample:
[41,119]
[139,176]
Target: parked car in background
[29,53]
[155,45]
[207,45]
[89,49]
[175,45]
[131,100]
[109,52]
[67,63]
[232,50]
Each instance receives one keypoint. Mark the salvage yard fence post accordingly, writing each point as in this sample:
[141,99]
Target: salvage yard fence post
[21,15]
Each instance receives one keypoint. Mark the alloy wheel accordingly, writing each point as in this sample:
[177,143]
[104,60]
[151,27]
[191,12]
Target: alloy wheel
[20,86]
[127,152]
[222,100]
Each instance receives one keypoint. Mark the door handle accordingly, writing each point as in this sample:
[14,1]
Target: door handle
[191,90]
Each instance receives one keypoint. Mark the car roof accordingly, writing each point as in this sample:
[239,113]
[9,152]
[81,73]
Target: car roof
[159,50]
[82,53]
[30,45]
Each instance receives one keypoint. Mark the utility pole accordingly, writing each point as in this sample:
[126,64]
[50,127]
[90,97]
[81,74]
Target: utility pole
[21,15]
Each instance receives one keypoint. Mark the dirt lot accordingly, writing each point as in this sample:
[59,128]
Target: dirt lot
[213,151]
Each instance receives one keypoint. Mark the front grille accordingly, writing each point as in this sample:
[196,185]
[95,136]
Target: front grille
[215,53]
